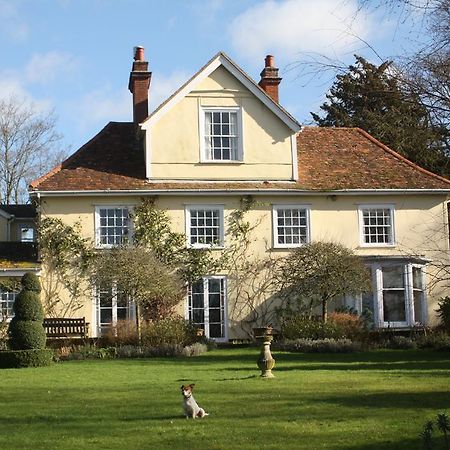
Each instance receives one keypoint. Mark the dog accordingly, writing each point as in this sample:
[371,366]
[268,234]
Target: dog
[190,406]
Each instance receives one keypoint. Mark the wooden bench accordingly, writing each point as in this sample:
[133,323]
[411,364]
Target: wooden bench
[66,328]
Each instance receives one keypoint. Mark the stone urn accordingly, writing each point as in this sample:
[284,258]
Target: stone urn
[265,361]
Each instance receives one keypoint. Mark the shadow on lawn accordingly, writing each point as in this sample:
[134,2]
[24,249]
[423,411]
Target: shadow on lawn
[398,400]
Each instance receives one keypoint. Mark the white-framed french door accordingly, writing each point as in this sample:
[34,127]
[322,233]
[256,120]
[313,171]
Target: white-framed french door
[111,305]
[207,306]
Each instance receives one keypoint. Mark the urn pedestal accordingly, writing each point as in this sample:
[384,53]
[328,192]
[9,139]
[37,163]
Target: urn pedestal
[266,362]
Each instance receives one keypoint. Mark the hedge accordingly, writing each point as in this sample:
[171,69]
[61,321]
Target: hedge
[26,358]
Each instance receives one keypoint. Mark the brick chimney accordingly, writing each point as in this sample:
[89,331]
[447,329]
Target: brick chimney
[138,85]
[269,78]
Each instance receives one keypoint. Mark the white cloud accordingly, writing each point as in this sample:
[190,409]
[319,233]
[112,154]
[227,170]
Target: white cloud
[45,67]
[285,28]
[162,87]
[12,87]
[102,105]
[13,25]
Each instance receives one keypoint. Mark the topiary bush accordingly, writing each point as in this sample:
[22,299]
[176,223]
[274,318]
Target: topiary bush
[25,329]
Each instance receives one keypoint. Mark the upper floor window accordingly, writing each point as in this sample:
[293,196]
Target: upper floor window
[7,299]
[290,225]
[222,140]
[377,225]
[204,225]
[26,233]
[112,225]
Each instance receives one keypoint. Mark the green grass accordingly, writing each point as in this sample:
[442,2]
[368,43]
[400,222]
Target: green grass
[377,400]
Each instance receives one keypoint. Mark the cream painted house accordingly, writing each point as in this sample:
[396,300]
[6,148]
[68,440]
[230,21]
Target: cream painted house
[221,137]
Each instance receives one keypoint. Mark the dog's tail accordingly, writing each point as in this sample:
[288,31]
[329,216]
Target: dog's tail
[202,413]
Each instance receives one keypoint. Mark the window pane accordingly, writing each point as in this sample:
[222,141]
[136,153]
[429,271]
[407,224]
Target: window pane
[394,306]
[393,277]
[418,308]
[215,331]
[417,277]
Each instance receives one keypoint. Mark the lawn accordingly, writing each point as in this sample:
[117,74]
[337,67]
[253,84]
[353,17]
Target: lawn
[377,400]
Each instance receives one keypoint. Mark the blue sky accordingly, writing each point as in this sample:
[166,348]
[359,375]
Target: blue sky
[74,56]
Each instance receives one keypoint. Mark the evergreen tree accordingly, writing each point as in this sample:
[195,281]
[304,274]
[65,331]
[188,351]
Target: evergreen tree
[373,98]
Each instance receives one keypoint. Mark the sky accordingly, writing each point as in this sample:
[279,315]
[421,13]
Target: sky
[73,57]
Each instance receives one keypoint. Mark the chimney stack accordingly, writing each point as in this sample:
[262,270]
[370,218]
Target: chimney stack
[138,85]
[269,78]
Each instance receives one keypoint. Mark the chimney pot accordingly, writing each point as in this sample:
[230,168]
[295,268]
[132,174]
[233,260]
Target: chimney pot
[270,61]
[139,53]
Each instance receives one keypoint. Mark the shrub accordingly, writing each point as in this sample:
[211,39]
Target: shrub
[351,325]
[28,307]
[25,329]
[30,282]
[401,343]
[195,349]
[124,333]
[173,331]
[26,334]
[299,326]
[444,313]
[436,341]
[318,346]
[36,357]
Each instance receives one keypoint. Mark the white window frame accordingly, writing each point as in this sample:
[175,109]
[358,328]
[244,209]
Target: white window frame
[187,214]
[131,309]
[24,226]
[377,282]
[206,309]
[5,297]
[240,148]
[363,207]
[98,208]
[275,208]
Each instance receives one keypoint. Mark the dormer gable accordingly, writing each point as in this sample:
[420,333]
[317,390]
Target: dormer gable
[220,125]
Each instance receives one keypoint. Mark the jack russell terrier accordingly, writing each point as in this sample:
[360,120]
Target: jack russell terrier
[190,406]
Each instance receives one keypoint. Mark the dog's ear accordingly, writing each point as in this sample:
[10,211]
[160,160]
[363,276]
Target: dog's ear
[192,385]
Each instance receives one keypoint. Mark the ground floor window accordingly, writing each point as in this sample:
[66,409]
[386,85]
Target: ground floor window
[398,298]
[207,306]
[7,299]
[112,305]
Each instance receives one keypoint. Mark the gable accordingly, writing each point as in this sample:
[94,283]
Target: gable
[175,142]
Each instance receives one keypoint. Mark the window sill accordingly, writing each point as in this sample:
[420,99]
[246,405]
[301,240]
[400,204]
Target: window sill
[221,161]
[377,245]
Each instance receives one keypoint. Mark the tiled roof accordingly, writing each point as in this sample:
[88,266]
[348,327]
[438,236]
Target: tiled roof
[20,211]
[328,159]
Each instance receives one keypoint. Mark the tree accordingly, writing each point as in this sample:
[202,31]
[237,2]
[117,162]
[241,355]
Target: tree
[27,147]
[375,99]
[67,260]
[322,272]
[135,270]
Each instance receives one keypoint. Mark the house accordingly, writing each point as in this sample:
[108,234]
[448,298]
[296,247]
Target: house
[18,252]
[222,137]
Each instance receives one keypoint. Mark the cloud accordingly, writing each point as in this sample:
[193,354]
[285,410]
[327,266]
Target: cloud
[13,25]
[162,87]
[12,87]
[45,67]
[102,105]
[285,28]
